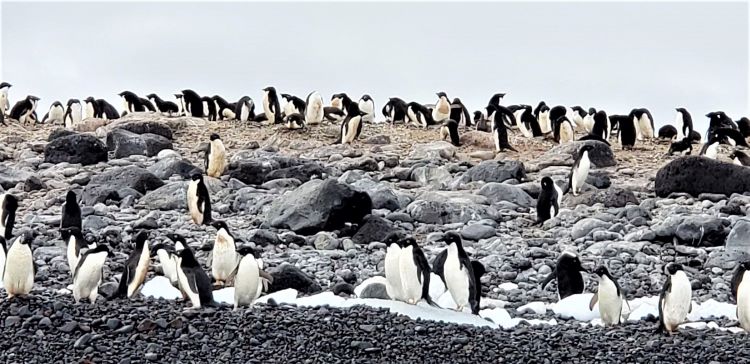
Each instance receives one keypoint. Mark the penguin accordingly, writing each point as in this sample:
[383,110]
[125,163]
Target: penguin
[224,110]
[180,104]
[601,127]
[740,158]
[194,281]
[314,109]
[106,111]
[90,108]
[588,120]
[215,156]
[71,212]
[351,127]
[479,271]
[224,253]
[554,114]
[499,132]
[542,117]
[394,285]
[519,115]
[731,137]
[683,147]
[193,104]
[395,110]
[245,109]
[530,122]
[271,106]
[610,298]
[547,205]
[341,101]
[481,122]
[460,113]
[744,127]
[644,123]
[198,200]
[563,130]
[73,114]
[578,117]
[3,249]
[580,170]
[294,121]
[135,268]
[711,148]
[568,273]
[293,105]
[419,115]
[415,273]
[56,114]
[741,292]
[131,102]
[168,262]
[442,110]
[495,99]
[167,108]
[89,273]
[459,274]
[4,101]
[450,129]
[695,137]
[367,106]
[684,122]
[20,269]
[23,110]
[209,108]
[8,207]
[249,277]
[718,119]
[333,114]
[628,131]
[147,104]
[675,299]
[668,132]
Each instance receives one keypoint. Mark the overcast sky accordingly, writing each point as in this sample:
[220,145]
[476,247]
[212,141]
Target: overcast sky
[613,56]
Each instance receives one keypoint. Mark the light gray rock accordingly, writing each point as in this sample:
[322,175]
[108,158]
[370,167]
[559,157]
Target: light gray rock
[496,192]
[434,150]
[496,171]
[172,196]
[739,237]
[437,177]
[584,226]
[434,212]
[326,241]
[477,232]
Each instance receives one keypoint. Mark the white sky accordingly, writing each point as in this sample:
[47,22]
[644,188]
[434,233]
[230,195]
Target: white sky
[612,56]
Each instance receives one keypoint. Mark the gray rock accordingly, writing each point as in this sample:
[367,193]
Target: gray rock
[497,171]
[281,184]
[601,156]
[10,177]
[702,231]
[168,167]
[172,196]
[611,197]
[739,237]
[373,228]
[435,212]
[303,172]
[696,175]
[496,192]
[133,177]
[477,232]
[433,150]
[94,194]
[146,127]
[125,143]
[75,149]
[33,183]
[584,226]
[362,163]
[289,276]
[437,177]
[375,290]
[378,139]
[326,241]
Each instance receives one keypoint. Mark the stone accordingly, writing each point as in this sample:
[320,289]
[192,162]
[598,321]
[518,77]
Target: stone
[435,212]
[325,241]
[10,177]
[146,127]
[373,228]
[33,183]
[133,177]
[433,150]
[81,149]
[170,166]
[496,192]
[584,226]
[125,143]
[696,175]
[477,232]
[739,237]
[303,172]
[289,276]
[437,177]
[171,196]
[361,163]
[601,155]
[375,290]
[252,172]
[702,231]
[496,171]
[59,133]
[378,139]
[610,197]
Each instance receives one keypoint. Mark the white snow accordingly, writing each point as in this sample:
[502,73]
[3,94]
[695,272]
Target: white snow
[159,287]
[508,286]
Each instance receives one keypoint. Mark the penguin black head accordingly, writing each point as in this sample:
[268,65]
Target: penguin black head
[5,84]
[456,101]
[57,103]
[366,97]
[570,261]
[441,95]
[394,237]
[248,250]
[141,238]
[673,268]
[478,115]
[214,136]
[220,224]
[179,242]
[547,183]
[681,110]
[151,96]
[409,241]
[73,101]
[178,96]
[90,100]
[158,247]
[592,111]
[286,97]
[586,148]
[26,238]
[271,90]
[451,237]
[602,271]
[32,98]
[744,266]
[70,197]
[100,248]
[196,177]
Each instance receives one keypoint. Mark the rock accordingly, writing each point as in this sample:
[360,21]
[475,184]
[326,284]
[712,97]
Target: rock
[170,166]
[381,194]
[343,288]
[361,163]
[702,231]
[33,183]
[584,226]
[289,276]
[611,197]
[75,149]
[10,177]
[303,172]
[496,171]
[146,127]
[438,177]
[171,196]
[496,192]
[435,212]
[94,194]
[373,228]
[477,232]
[125,143]
[696,175]
[252,172]
[601,156]
[133,177]
[599,179]
[325,241]
[59,133]
[479,139]
[739,237]
[375,290]
[434,150]
[319,205]
[378,139]
[262,237]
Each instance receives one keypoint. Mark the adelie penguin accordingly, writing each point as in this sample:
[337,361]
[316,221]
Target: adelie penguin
[711,148]
[135,268]
[351,127]
[76,243]
[209,108]
[541,112]
[71,212]
[744,127]
[499,131]
[215,157]
[249,277]
[394,285]
[684,122]
[580,170]
[395,110]
[73,113]
[675,299]
[481,122]
[131,102]
[682,147]
[340,101]
[224,110]
[548,203]
[601,128]
[459,274]
[167,108]
[224,256]
[293,105]
[740,158]
[193,104]
[610,298]
[105,110]
[180,104]
[419,115]
[718,119]
[667,132]
[245,109]
[579,117]
[644,123]
[198,200]
[294,121]
[314,108]
[56,114]
[628,130]
[415,273]
[8,207]
[521,114]
[271,106]
[4,101]
[741,292]
[89,273]
[367,106]
[20,269]
[568,274]
[460,113]
[90,108]
[563,130]
[450,129]
[194,281]
[168,263]
[23,111]
[442,110]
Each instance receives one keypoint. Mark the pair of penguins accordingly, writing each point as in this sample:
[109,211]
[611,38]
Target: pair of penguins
[550,198]
[723,130]
[407,272]
[198,198]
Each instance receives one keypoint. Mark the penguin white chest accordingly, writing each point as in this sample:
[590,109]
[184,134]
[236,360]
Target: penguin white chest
[185,287]
[247,282]
[18,277]
[559,195]
[140,271]
[496,137]
[167,265]
[544,122]
[456,277]
[610,303]
[412,286]
[192,201]
[581,173]
[224,256]
[676,304]
[743,301]
[647,131]
[392,272]
[88,277]
[72,255]
[566,132]
[588,123]
[217,159]
[712,151]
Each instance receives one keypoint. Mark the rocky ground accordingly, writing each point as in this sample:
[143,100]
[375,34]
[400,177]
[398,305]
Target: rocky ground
[273,196]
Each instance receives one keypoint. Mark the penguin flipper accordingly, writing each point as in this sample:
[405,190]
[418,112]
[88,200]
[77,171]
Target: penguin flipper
[594,299]
[551,275]
[122,288]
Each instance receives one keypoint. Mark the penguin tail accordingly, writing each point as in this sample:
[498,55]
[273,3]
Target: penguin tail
[432,303]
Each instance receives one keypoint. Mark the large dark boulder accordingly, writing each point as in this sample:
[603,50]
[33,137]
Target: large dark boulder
[696,175]
[259,171]
[59,133]
[319,205]
[289,276]
[125,143]
[252,172]
[168,167]
[133,177]
[374,228]
[146,127]
[497,171]
[302,172]
[76,149]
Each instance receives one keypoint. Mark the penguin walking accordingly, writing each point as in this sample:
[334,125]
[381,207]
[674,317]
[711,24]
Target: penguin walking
[741,292]
[415,273]
[460,113]
[168,263]
[675,299]
[367,106]
[71,212]
[89,273]
[740,158]
[450,129]
[23,111]
[442,110]
[73,114]
[198,200]
[249,277]
[20,269]
[193,104]
[194,281]
[271,106]
[76,243]
[131,102]
[314,109]
[215,157]
[90,108]
[610,298]
[293,105]
[568,273]
[224,257]
[499,131]
[167,108]
[644,123]
[351,127]
[459,274]
[395,110]
[580,170]
[8,207]
[547,205]
[180,104]
[56,114]
[394,286]
[563,130]
[628,130]
[105,110]
[245,109]
[4,101]
[294,121]
[419,115]
[135,268]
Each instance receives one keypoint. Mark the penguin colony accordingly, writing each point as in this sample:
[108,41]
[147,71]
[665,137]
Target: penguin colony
[406,268]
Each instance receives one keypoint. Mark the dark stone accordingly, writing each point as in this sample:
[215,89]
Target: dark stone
[133,177]
[33,183]
[696,175]
[601,156]
[76,149]
[125,143]
[375,290]
[147,127]
[251,172]
[168,167]
[497,171]
[343,288]
[373,228]
[702,231]
[59,133]
[262,237]
[100,193]
[289,276]
[10,177]
[303,172]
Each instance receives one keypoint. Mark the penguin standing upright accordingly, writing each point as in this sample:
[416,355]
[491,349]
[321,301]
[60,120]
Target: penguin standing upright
[351,127]
[579,115]
[314,109]
[249,277]
[547,205]
[459,274]
[481,122]
[198,200]
[675,299]
[224,256]
[4,101]
[168,262]
[293,105]
[499,131]
[89,273]
[76,242]
[419,114]
[601,127]
[167,108]
[628,130]
[20,269]
[519,115]
[395,110]
[209,108]
[245,109]
[131,102]
[644,123]
[135,268]
[568,274]
[415,273]
[740,158]
[459,113]
[543,118]
[394,286]
[56,114]
[106,111]
[23,111]
[90,108]
[367,106]
[744,127]
[741,291]
[73,113]
[450,129]
[610,298]
[580,170]
[563,130]
[180,104]
[194,281]
[271,106]
[588,120]
[8,207]
[216,157]
[684,122]
[193,104]
[71,212]
[442,110]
